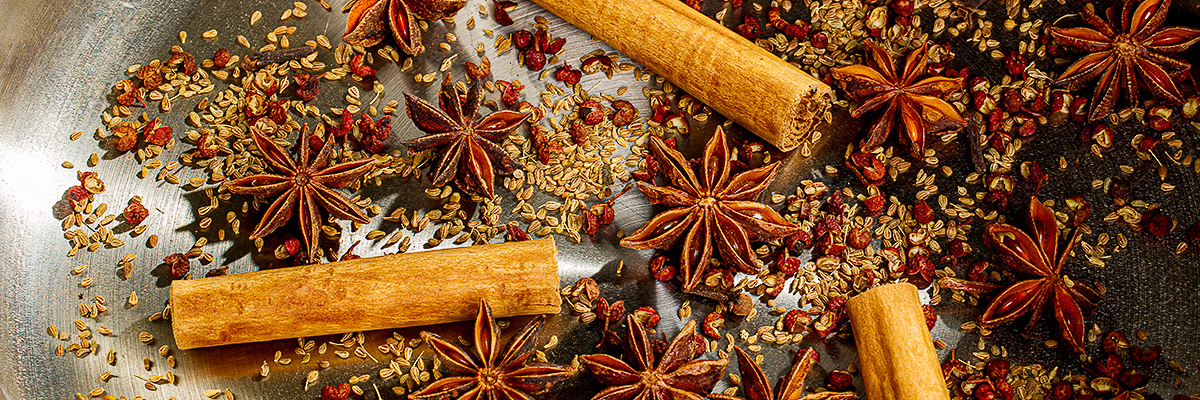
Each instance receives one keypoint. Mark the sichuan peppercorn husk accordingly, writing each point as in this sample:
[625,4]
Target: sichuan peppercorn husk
[737,78]
[895,351]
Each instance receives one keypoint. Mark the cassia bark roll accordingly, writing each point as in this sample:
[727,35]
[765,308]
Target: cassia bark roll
[895,351]
[761,92]
[411,289]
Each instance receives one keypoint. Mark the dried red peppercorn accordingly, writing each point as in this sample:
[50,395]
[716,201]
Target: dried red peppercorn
[501,10]
[794,321]
[535,60]
[135,213]
[930,316]
[567,75]
[76,195]
[624,113]
[1015,63]
[648,316]
[516,234]
[341,392]
[510,92]
[820,40]
[1157,223]
[923,213]
[221,58]
[840,381]
[786,264]
[306,86]
[921,266]
[712,322]
[984,392]
[1143,355]
[179,264]
[749,28]
[359,69]
[522,39]
[997,369]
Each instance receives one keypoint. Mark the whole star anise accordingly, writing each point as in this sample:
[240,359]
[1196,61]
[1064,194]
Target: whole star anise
[365,24]
[466,146]
[486,372]
[916,105]
[1136,55]
[1038,255]
[302,187]
[645,375]
[790,386]
[489,374]
[713,210]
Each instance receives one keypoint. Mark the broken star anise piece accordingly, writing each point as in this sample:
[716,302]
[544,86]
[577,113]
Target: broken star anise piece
[712,210]
[466,146]
[1039,255]
[485,371]
[1137,55]
[915,108]
[365,24]
[644,375]
[301,187]
[790,387]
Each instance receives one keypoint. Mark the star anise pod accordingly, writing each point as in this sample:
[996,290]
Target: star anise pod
[486,373]
[1137,55]
[790,386]
[466,146]
[917,105]
[677,374]
[712,209]
[365,24]
[301,187]
[1039,255]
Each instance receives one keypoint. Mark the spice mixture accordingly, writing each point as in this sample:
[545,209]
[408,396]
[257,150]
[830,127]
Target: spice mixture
[263,142]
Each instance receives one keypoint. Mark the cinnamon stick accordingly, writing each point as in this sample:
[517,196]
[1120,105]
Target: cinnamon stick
[401,290]
[737,78]
[895,352]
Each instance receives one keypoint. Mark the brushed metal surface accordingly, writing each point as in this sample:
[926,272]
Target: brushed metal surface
[58,60]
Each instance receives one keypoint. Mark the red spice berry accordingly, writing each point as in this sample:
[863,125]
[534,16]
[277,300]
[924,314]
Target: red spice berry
[340,392]
[840,381]
[534,59]
[221,58]
[984,392]
[902,8]
[591,112]
[1015,63]
[567,75]
[787,265]
[579,134]
[1157,223]
[501,11]
[997,369]
[522,39]
[160,136]
[875,203]
[127,141]
[1011,100]
[91,182]
[923,213]
[930,316]
[1143,355]
[820,40]
[180,266]
[135,213]
[624,113]
[749,28]
[712,322]
[555,46]
[1159,123]
[516,234]
[359,69]
[1063,390]
[921,266]
[306,86]
[291,246]
[510,92]
[648,316]
[858,238]
[76,195]
[794,321]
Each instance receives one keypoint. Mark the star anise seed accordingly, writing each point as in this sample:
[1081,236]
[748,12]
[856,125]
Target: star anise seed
[1137,55]
[301,187]
[916,105]
[486,373]
[712,210]
[466,146]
